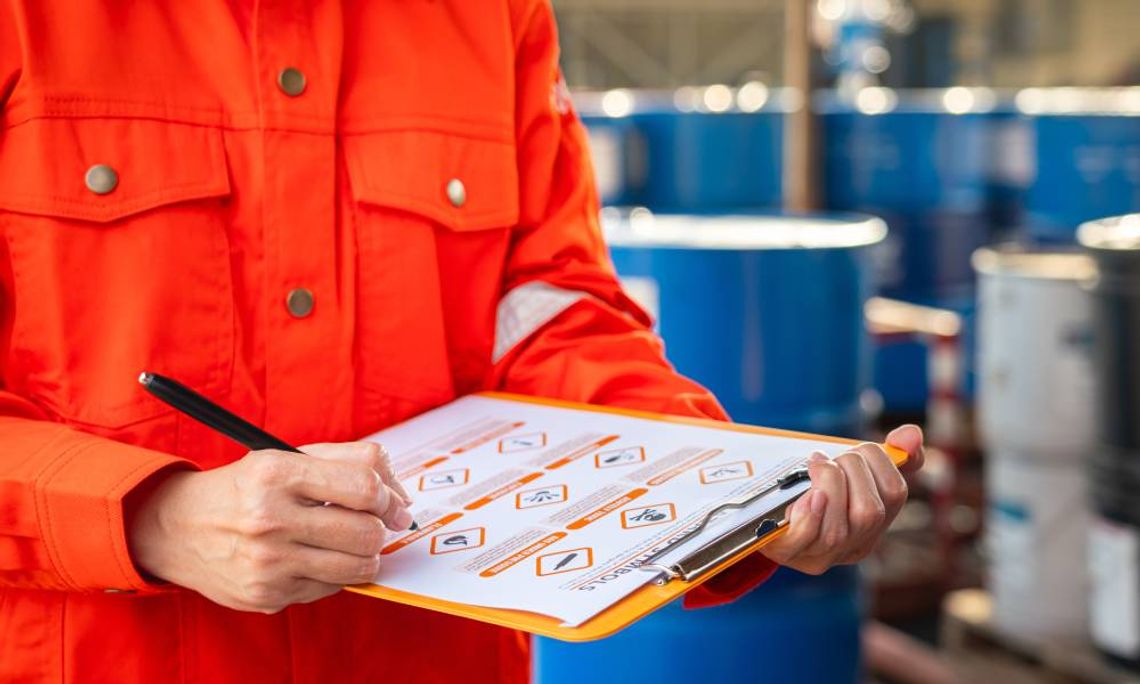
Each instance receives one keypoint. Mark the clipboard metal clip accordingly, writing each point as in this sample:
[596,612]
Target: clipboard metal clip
[731,542]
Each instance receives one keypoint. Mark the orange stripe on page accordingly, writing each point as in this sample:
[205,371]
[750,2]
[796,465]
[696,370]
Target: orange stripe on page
[502,491]
[579,453]
[421,468]
[419,534]
[694,461]
[516,558]
[897,455]
[607,509]
[490,436]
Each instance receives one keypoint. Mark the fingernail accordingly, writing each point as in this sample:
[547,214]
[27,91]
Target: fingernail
[396,484]
[403,519]
[902,429]
[818,502]
[817,457]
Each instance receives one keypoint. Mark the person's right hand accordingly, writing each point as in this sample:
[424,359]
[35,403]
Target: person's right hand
[254,535]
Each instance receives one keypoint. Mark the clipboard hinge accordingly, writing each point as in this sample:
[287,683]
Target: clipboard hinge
[731,542]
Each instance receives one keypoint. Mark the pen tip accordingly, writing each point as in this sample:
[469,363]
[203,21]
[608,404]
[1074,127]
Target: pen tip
[414,526]
[144,378]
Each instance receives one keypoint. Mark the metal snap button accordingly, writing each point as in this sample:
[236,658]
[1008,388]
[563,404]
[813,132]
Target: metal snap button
[291,81]
[101,179]
[456,192]
[299,302]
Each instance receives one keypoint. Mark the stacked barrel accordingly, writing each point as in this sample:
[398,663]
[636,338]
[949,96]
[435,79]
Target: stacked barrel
[1114,542]
[927,161]
[1056,376]
[1037,423]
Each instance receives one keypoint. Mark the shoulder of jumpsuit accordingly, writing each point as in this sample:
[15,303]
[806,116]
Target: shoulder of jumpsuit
[161,65]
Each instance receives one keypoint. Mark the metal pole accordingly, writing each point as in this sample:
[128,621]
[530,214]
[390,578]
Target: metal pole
[801,179]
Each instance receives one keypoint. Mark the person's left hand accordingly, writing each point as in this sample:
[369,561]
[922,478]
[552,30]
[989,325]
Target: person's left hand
[852,501]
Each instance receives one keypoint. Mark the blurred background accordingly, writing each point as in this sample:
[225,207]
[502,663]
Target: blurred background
[846,214]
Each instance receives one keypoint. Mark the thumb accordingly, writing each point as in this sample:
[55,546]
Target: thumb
[908,438]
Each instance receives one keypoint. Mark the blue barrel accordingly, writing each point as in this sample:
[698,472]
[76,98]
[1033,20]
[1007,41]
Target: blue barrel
[947,169]
[766,311]
[694,150]
[922,160]
[1011,168]
[902,369]
[710,162]
[617,146]
[858,54]
[1087,144]
[794,628]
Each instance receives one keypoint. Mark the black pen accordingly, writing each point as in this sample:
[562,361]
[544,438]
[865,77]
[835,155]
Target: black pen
[213,416]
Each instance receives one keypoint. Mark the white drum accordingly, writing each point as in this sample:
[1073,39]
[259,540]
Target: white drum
[1114,587]
[1036,414]
[1035,374]
[1036,528]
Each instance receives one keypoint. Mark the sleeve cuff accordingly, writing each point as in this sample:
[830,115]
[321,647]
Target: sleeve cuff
[80,501]
[733,583]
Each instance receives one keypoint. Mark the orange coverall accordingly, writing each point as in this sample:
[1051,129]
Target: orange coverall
[330,215]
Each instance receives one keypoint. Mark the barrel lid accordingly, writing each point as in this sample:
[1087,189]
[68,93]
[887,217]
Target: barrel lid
[1114,234]
[873,100]
[640,227]
[1022,262]
[1123,101]
[748,98]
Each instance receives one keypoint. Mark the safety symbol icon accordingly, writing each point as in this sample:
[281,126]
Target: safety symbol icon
[564,561]
[534,440]
[444,479]
[619,457]
[543,496]
[644,516]
[458,540]
[728,471]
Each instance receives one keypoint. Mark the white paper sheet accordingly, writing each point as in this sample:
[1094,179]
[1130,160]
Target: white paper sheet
[551,510]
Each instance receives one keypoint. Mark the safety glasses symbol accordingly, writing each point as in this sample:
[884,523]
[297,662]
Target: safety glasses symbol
[457,540]
[444,479]
[725,472]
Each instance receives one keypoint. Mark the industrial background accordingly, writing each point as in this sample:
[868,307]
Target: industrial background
[893,210]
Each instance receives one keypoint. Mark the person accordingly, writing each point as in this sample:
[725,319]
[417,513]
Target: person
[330,215]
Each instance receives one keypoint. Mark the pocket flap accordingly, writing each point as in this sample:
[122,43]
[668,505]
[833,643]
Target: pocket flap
[46,166]
[461,182]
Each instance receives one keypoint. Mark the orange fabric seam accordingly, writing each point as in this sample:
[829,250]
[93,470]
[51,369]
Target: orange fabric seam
[169,191]
[441,214]
[378,123]
[112,503]
[44,512]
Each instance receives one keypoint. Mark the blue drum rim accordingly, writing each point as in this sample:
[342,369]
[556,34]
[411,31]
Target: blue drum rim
[1114,234]
[848,230]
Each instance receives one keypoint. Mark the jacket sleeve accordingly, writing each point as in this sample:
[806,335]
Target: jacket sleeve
[62,491]
[564,327]
[62,503]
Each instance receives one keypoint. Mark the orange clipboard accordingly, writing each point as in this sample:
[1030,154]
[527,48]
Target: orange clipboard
[760,530]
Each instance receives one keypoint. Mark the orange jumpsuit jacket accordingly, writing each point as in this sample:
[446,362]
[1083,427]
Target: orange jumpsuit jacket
[329,214]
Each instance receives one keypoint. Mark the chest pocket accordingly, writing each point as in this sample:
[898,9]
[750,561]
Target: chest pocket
[433,212]
[116,240]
